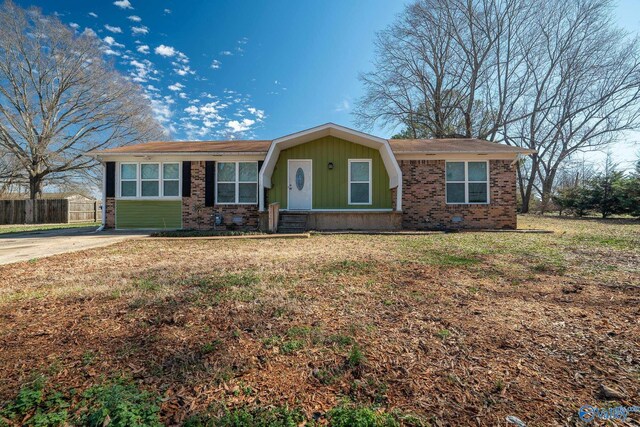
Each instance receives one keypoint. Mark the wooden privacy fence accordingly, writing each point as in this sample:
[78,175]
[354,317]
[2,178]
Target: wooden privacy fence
[48,211]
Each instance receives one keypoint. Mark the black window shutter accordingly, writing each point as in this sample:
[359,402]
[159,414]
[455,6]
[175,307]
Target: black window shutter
[209,183]
[110,179]
[186,179]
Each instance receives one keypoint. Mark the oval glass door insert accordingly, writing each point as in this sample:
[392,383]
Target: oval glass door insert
[300,179]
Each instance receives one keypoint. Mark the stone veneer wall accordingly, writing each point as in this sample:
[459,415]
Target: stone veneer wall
[197,216]
[424,205]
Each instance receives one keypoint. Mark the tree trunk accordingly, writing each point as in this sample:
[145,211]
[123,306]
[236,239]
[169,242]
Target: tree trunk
[35,187]
[547,187]
[526,190]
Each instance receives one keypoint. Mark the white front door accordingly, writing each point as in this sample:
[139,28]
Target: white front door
[299,185]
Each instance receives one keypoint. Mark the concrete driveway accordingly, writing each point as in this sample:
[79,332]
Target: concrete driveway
[39,244]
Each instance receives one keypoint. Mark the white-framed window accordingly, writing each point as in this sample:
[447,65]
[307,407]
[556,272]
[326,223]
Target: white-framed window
[359,181]
[149,180]
[128,179]
[171,179]
[236,183]
[467,182]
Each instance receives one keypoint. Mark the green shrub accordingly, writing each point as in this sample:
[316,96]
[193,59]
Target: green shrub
[259,417]
[122,403]
[356,358]
[47,409]
[353,416]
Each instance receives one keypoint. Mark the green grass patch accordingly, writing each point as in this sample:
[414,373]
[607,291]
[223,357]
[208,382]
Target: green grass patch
[339,340]
[345,415]
[250,417]
[449,259]
[443,334]
[356,357]
[350,267]
[19,228]
[359,416]
[147,284]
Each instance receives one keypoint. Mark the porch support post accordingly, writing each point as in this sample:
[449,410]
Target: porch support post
[260,193]
[399,196]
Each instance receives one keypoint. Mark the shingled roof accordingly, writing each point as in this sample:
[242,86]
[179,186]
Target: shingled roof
[399,146]
[451,145]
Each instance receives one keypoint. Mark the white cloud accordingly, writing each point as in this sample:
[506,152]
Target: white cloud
[226,53]
[192,110]
[111,52]
[113,29]
[176,87]
[123,4]
[143,71]
[182,95]
[95,15]
[143,49]
[216,64]
[343,105]
[89,32]
[240,126]
[163,50]
[183,70]
[134,18]
[112,42]
[74,25]
[140,30]
[259,114]
[167,11]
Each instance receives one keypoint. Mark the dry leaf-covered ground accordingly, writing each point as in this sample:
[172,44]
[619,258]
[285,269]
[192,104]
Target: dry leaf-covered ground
[459,329]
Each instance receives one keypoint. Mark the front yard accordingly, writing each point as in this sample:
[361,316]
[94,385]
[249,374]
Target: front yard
[442,329]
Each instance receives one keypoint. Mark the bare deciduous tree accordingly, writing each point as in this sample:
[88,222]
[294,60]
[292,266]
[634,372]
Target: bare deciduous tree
[448,69]
[556,77]
[59,98]
[585,90]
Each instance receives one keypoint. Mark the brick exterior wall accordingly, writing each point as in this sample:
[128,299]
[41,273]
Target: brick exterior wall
[197,216]
[424,205]
[111,212]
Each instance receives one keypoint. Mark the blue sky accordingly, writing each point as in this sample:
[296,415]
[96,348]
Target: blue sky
[250,68]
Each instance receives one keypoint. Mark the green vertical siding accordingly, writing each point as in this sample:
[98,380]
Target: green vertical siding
[148,214]
[330,187]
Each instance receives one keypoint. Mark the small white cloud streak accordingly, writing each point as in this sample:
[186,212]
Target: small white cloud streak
[113,29]
[123,4]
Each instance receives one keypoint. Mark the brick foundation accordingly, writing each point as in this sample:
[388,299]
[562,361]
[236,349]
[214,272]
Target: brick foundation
[197,216]
[424,206]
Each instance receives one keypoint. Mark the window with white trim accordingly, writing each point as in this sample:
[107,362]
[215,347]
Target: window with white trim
[467,182]
[171,179]
[128,179]
[149,180]
[237,183]
[359,182]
